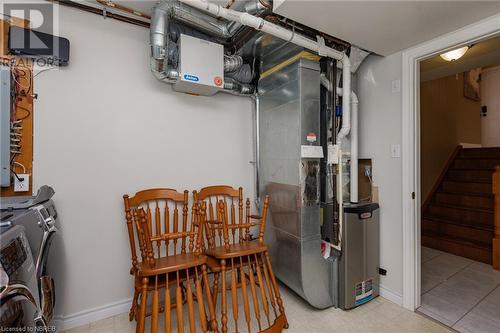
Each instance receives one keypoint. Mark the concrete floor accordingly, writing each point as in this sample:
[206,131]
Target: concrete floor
[460,293]
[379,315]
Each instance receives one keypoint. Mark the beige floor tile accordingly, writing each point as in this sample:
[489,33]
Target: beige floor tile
[427,254]
[442,310]
[81,329]
[377,316]
[444,266]
[474,323]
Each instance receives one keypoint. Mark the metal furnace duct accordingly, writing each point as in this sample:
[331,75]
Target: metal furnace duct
[290,152]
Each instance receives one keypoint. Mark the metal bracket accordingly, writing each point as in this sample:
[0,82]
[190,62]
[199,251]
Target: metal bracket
[321,46]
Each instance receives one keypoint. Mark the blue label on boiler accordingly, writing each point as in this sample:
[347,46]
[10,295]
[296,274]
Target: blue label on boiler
[191,77]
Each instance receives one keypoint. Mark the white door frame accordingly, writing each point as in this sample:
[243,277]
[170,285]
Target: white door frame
[411,144]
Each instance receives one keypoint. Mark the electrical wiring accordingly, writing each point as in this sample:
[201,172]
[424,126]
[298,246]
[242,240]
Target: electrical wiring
[28,112]
[40,72]
[24,75]
[20,165]
[16,175]
[21,89]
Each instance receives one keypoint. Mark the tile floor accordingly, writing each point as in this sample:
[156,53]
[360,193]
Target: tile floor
[460,293]
[379,315]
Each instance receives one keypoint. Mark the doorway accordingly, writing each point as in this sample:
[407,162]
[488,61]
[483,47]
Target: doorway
[459,287]
[411,187]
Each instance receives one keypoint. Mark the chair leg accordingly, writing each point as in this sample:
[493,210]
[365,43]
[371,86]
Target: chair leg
[156,308]
[133,308]
[144,299]
[215,290]
[224,305]
[276,290]
[211,307]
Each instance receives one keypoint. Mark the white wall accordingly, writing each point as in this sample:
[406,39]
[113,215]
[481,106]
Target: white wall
[104,127]
[379,128]
[490,84]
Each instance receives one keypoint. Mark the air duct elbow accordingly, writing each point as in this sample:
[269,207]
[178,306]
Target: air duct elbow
[159,40]
[232,63]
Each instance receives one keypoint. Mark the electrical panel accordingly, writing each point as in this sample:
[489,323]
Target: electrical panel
[5,105]
[201,66]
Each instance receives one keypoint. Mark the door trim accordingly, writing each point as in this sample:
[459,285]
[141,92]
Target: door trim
[478,31]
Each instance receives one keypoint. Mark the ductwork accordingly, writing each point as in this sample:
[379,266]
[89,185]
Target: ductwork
[259,23]
[217,30]
[232,63]
[237,88]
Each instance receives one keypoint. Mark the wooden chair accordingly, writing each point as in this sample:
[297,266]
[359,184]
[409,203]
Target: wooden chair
[246,261]
[232,198]
[170,247]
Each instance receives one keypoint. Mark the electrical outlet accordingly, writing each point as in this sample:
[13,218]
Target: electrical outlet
[23,183]
[396,151]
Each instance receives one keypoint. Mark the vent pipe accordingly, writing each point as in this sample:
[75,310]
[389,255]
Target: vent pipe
[318,46]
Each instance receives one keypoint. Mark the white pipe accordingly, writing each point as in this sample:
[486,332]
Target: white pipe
[318,46]
[352,126]
[354,147]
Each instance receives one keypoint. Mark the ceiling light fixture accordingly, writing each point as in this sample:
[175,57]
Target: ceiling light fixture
[454,54]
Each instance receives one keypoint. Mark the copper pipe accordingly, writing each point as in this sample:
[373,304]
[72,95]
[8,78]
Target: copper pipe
[126,9]
[96,11]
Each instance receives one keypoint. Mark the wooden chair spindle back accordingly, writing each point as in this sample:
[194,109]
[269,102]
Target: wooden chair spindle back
[166,222]
[231,211]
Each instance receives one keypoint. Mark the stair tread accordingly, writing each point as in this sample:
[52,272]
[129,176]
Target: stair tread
[479,210]
[467,194]
[461,240]
[479,168]
[478,158]
[459,223]
[481,148]
[475,181]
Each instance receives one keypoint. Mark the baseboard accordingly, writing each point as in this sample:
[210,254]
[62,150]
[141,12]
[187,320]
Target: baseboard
[391,296]
[89,316]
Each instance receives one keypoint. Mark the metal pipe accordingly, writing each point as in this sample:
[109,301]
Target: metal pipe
[94,10]
[318,46]
[236,88]
[257,149]
[232,63]
[158,37]
[126,9]
[189,16]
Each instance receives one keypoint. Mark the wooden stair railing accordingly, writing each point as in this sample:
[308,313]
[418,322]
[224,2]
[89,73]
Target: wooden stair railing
[440,179]
[496,239]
